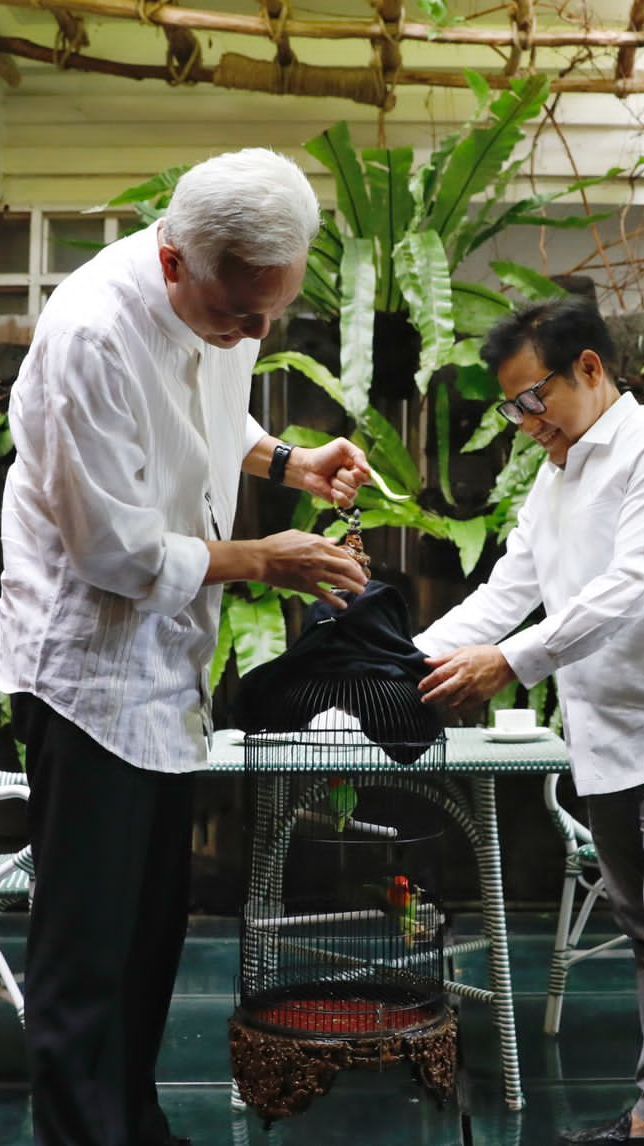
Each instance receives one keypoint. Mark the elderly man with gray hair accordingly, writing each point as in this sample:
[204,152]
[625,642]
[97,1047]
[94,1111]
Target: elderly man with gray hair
[130,418]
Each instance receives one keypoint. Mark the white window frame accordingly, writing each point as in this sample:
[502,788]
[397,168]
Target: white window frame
[37,278]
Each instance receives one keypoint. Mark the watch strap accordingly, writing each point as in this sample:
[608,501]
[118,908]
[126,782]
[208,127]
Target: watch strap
[279,462]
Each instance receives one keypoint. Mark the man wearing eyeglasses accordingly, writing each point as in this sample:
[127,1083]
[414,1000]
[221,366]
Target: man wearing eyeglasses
[578,550]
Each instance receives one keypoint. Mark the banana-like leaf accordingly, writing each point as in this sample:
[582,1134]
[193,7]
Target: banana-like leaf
[477,384]
[476,308]
[469,538]
[258,628]
[466,352]
[306,513]
[491,425]
[409,515]
[388,172]
[356,324]
[479,87]
[162,184]
[424,182]
[503,699]
[443,442]
[480,156]
[389,454]
[6,440]
[530,283]
[538,698]
[305,436]
[423,274]
[320,286]
[293,360]
[224,645]
[334,149]
[525,461]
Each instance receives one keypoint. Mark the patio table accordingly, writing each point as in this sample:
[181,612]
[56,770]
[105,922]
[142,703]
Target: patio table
[466,790]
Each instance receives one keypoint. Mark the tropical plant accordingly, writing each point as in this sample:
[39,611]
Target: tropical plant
[394,246]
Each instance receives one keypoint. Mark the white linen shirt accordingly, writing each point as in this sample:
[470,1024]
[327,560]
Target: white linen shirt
[130,433]
[579,548]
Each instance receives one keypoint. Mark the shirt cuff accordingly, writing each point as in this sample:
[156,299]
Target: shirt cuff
[432,646]
[180,578]
[527,656]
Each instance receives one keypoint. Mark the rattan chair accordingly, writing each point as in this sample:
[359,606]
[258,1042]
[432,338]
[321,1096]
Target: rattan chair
[16,881]
[581,871]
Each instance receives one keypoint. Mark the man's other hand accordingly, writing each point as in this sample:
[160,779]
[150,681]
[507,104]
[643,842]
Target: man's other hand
[465,677]
[309,563]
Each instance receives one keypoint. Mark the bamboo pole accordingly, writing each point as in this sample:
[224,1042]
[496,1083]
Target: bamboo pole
[337,29]
[9,71]
[345,83]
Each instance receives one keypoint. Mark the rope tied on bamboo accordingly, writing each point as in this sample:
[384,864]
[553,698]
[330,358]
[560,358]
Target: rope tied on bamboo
[523,25]
[146,9]
[66,45]
[276,32]
[183,73]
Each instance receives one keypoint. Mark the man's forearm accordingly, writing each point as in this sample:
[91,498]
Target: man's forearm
[258,460]
[234,561]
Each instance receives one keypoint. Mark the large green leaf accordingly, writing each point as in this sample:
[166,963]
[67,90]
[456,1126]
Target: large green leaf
[294,360]
[388,173]
[376,511]
[517,477]
[306,513]
[423,274]
[477,160]
[491,425]
[424,182]
[476,308]
[305,436]
[443,442]
[529,282]
[469,538]
[334,149]
[224,645]
[6,441]
[389,454]
[466,352]
[258,628]
[162,184]
[320,286]
[476,383]
[356,324]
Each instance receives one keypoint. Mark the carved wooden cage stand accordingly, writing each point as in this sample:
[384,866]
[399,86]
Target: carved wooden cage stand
[342,929]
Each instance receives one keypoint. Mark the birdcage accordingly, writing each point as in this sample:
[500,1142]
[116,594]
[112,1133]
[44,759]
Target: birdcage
[342,928]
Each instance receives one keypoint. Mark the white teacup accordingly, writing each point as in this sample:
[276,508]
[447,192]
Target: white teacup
[515,719]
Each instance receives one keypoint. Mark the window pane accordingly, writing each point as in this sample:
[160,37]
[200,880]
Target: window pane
[72,242]
[14,244]
[13,300]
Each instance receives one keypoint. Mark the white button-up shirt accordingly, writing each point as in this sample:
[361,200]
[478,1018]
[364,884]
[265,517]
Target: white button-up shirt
[578,548]
[130,434]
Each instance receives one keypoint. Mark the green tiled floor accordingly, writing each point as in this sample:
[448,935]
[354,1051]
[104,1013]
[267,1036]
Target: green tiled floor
[583,1076]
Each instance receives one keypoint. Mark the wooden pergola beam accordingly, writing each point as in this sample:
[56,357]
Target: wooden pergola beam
[359,84]
[625,66]
[198,19]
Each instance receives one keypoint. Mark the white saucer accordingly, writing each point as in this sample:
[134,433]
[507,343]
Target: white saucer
[235,735]
[518,737]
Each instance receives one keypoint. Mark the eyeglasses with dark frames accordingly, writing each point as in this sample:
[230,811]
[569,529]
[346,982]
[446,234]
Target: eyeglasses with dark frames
[527,402]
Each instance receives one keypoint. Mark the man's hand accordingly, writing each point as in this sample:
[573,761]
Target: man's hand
[334,471]
[467,676]
[296,560]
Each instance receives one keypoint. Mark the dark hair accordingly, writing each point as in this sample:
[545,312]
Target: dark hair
[558,331]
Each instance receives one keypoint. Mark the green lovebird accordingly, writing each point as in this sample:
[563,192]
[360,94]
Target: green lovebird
[342,801]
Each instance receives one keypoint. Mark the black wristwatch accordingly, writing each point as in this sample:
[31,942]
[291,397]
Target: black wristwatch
[279,462]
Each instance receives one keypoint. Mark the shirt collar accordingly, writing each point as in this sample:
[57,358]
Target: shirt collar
[149,275]
[604,429]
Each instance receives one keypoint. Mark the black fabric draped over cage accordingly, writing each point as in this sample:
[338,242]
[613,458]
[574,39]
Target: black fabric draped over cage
[342,929]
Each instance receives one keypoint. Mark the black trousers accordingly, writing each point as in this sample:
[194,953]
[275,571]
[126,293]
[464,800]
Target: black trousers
[111,846]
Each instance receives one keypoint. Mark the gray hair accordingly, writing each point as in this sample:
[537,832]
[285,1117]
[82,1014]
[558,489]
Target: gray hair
[255,204]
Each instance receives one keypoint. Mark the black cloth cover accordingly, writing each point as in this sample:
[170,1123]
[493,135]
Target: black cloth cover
[369,641]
